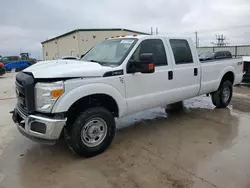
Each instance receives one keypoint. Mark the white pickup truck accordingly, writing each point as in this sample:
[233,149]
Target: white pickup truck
[117,77]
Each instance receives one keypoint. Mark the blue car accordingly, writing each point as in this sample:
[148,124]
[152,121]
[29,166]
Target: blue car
[18,65]
[14,62]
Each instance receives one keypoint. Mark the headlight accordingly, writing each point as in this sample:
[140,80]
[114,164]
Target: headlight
[46,95]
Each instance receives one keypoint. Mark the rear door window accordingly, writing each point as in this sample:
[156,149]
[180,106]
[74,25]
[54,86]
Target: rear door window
[182,51]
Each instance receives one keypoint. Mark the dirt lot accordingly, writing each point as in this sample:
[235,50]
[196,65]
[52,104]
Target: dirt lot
[195,146]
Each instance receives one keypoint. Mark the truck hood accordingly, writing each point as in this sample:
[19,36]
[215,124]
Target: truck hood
[66,69]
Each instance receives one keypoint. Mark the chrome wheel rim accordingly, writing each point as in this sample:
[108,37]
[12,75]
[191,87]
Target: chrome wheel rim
[94,132]
[226,94]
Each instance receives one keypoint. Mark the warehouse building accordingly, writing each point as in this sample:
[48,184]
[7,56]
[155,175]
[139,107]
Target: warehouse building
[79,41]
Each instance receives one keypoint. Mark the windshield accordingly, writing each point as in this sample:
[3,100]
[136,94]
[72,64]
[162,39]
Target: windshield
[207,55]
[111,51]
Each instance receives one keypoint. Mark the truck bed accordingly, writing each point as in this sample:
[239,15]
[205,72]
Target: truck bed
[213,70]
[218,60]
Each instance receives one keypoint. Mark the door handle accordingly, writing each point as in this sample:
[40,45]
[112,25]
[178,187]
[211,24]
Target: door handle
[137,74]
[195,71]
[170,75]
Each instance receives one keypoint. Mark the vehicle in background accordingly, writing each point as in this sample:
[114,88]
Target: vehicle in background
[68,58]
[246,76]
[26,56]
[2,69]
[215,55]
[9,59]
[117,77]
[17,63]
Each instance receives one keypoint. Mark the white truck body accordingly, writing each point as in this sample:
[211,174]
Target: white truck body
[134,92]
[137,92]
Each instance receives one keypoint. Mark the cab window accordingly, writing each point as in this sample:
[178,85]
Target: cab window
[182,51]
[154,46]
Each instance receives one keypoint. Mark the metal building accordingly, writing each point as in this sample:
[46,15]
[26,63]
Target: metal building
[77,42]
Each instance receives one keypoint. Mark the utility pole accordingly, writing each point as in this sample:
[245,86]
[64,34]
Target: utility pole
[156,31]
[220,40]
[151,30]
[196,39]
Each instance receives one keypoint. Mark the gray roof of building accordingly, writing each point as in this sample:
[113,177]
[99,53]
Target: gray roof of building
[99,29]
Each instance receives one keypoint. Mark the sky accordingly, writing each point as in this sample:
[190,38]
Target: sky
[24,24]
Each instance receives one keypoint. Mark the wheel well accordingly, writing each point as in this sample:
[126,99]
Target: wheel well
[228,76]
[94,100]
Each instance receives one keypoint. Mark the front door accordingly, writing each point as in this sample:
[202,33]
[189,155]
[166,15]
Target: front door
[145,91]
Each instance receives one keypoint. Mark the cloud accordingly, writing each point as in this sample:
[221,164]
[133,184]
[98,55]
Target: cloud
[28,22]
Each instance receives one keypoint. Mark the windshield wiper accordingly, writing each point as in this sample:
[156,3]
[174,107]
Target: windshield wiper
[94,61]
[99,62]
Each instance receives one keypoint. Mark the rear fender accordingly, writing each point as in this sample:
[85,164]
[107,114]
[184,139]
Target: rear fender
[223,72]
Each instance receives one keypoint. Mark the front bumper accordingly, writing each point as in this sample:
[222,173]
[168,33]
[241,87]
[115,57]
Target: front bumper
[38,127]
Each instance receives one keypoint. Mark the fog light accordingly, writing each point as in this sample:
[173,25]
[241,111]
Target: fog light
[38,127]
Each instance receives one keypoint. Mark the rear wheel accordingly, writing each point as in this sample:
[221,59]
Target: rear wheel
[222,97]
[92,132]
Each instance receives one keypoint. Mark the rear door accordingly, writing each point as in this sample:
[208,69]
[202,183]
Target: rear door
[186,69]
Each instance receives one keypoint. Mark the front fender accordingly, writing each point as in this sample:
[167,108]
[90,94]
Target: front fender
[69,98]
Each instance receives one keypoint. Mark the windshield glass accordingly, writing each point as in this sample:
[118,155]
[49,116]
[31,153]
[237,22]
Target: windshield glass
[111,51]
[207,55]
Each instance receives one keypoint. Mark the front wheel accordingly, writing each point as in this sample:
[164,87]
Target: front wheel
[92,132]
[222,97]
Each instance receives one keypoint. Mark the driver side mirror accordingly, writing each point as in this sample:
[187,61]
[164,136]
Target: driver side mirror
[144,65]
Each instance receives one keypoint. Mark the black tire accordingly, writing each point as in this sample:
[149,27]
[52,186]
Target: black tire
[74,135]
[218,98]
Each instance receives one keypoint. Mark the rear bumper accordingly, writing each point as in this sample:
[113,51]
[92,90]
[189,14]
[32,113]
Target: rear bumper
[38,127]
